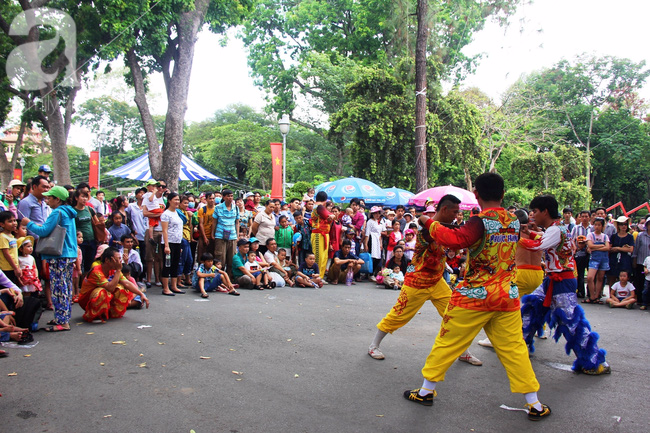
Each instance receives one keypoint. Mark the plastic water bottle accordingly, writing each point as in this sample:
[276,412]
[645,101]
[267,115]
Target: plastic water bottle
[350,276]
[168,260]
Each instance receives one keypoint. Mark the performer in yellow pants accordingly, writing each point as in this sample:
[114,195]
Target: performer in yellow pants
[486,298]
[410,301]
[320,246]
[459,328]
[529,277]
[423,281]
[321,223]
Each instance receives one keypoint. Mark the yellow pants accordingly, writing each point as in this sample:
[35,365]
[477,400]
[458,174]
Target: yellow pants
[410,301]
[320,246]
[527,280]
[458,329]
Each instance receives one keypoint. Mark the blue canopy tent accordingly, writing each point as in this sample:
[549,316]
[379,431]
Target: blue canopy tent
[139,169]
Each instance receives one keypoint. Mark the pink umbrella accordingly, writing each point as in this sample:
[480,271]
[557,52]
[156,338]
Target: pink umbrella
[467,199]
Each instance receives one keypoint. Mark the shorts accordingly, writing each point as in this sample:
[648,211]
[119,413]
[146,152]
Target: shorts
[151,250]
[599,261]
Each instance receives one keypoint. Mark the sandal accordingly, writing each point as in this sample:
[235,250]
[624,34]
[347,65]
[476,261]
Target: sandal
[586,301]
[51,322]
[234,293]
[3,354]
[597,301]
[26,338]
[205,295]
[56,328]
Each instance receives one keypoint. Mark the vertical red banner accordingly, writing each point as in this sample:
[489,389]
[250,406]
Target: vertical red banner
[18,173]
[276,181]
[93,171]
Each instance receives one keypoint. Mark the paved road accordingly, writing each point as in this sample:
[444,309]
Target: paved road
[302,364]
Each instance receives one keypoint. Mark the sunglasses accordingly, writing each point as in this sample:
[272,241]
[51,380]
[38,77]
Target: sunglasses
[163,186]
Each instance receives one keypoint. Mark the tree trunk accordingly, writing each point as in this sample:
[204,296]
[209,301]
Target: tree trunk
[58,136]
[421,176]
[7,167]
[179,83]
[145,114]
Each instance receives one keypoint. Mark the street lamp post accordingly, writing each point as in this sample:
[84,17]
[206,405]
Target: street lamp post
[284,130]
[102,140]
[22,168]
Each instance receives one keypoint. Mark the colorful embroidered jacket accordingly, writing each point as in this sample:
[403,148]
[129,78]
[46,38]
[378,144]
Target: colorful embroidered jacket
[492,238]
[319,221]
[428,262]
[557,247]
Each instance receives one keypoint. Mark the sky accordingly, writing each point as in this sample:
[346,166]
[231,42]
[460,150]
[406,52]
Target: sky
[539,35]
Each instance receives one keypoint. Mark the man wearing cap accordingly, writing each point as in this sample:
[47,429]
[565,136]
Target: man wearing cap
[33,206]
[241,275]
[152,207]
[226,229]
[13,195]
[45,171]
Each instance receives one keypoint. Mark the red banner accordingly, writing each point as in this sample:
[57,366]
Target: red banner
[276,158]
[18,173]
[93,172]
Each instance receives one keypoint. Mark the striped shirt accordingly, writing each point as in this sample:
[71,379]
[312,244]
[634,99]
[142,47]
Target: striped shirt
[225,221]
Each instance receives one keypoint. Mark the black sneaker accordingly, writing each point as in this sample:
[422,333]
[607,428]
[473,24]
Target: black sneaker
[414,396]
[536,415]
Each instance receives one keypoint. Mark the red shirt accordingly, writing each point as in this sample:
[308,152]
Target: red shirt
[319,221]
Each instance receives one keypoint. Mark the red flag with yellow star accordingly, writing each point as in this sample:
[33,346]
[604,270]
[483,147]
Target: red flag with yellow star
[93,173]
[276,180]
[18,173]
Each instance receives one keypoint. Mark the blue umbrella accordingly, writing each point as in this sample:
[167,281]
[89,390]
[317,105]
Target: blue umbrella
[395,196]
[139,169]
[344,190]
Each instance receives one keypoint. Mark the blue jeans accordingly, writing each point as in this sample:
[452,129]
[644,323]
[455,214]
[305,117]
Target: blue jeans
[185,265]
[645,299]
[211,286]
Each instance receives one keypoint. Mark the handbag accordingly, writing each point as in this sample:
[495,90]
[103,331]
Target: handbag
[52,244]
[99,227]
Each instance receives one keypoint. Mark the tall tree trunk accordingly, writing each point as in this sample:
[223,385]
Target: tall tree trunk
[140,99]
[56,129]
[421,175]
[6,166]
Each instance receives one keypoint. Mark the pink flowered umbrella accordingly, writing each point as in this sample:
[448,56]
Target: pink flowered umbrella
[467,199]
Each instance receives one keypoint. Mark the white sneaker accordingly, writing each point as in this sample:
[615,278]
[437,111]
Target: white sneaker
[470,359]
[485,343]
[375,353]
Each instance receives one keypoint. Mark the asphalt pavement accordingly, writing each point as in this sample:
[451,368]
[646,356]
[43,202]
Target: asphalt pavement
[295,360]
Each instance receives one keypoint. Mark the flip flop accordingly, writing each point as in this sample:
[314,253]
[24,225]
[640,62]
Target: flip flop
[180,292]
[168,294]
[55,328]
[3,354]
[205,295]
[234,293]
[586,301]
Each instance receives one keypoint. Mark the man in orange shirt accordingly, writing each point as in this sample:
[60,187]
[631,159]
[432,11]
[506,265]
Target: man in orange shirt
[423,281]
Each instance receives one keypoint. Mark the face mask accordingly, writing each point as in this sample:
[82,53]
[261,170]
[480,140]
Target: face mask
[217,200]
[191,205]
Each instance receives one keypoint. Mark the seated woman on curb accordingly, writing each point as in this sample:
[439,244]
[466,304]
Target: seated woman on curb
[105,292]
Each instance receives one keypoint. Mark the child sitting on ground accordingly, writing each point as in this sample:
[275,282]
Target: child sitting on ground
[136,303]
[622,293]
[209,277]
[308,274]
[261,277]
[31,282]
[398,278]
